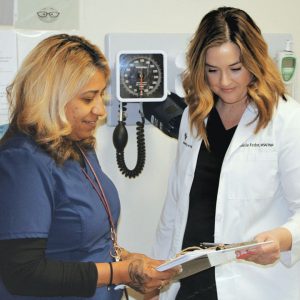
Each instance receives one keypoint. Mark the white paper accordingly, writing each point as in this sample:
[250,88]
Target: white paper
[47,14]
[6,12]
[8,68]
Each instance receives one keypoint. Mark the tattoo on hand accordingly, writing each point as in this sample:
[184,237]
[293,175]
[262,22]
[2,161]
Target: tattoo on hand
[137,276]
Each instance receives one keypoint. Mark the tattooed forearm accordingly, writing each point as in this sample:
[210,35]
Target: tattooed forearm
[137,275]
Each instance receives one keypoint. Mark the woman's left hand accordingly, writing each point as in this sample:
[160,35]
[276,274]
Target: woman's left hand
[269,253]
[139,272]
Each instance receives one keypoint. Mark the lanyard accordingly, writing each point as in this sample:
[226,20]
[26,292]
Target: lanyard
[100,192]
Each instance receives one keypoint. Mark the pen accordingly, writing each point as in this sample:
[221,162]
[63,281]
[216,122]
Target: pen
[209,244]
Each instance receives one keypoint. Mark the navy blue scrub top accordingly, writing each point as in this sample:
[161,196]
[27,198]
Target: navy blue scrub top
[40,199]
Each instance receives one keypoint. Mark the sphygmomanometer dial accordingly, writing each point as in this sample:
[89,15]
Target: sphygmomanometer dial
[141,76]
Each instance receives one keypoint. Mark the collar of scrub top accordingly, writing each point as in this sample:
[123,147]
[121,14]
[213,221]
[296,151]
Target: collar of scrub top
[100,192]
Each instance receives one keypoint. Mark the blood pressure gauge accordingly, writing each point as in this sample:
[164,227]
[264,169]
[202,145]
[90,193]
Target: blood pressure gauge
[141,76]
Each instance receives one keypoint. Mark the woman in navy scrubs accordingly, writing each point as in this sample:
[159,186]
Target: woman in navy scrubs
[59,210]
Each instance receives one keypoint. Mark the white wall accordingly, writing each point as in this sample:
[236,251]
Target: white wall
[142,198]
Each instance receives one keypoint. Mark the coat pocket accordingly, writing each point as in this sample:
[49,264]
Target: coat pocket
[253,176]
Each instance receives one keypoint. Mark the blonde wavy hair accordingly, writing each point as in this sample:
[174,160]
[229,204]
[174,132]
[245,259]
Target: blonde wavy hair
[51,75]
[227,24]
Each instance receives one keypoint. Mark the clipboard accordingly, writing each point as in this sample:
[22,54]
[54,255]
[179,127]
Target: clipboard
[199,260]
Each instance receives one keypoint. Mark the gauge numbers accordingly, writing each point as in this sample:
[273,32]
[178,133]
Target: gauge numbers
[141,76]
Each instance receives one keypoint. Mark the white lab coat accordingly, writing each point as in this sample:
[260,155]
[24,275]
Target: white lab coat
[259,190]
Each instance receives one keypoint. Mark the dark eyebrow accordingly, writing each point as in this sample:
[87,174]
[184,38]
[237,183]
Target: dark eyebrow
[236,63]
[231,65]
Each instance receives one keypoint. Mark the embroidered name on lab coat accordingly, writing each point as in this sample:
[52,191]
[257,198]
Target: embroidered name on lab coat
[258,145]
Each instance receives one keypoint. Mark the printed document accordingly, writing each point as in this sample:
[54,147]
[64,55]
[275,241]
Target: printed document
[8,68]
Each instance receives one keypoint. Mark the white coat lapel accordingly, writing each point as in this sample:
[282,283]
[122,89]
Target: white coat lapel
[244,130]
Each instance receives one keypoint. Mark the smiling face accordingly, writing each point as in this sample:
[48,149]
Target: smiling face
[226,75]
[83,111]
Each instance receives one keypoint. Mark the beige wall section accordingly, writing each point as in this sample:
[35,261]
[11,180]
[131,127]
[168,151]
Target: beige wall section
[142,198]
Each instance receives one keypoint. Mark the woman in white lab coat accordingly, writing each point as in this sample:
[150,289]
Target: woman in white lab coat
[237,172]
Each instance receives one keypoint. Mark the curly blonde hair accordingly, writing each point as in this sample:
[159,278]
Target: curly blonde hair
[227,24]
[51,75]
